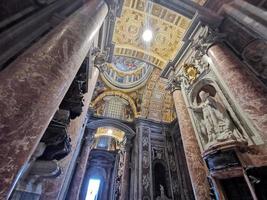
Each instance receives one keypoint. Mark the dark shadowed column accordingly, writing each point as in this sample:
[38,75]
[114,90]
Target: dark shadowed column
[246,89]
[125,177]
[33,86]
[194,160]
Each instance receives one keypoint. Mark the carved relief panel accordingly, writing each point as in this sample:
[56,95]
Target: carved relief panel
[146,161]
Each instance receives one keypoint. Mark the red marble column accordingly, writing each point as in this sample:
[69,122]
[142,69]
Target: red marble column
[78,177]
[52,188]
[33,86]
[245,88]
[194,160]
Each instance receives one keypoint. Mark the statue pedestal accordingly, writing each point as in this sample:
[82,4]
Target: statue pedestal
[223,158]
[230,144]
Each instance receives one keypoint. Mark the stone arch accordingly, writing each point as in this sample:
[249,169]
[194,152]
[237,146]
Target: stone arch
[164,173]
[200,85]
[118,94]
[129,132]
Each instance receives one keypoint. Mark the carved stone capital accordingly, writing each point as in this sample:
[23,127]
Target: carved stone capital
[100,59]
[206,38]
[174,82]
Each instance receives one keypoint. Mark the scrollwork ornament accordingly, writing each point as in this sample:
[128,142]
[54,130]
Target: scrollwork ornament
[146,182]
[146,159]
[175,186]
[205,40]
[200,46]
[145,141]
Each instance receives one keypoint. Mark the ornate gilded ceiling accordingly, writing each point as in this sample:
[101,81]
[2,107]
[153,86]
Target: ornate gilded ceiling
[168,28]
[157,103]
[134,71]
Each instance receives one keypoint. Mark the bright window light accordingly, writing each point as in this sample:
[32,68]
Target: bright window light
[92,190]
[110,131]
[147,35]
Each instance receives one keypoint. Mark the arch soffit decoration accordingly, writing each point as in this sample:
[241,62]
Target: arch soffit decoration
[118,94]
[129,133]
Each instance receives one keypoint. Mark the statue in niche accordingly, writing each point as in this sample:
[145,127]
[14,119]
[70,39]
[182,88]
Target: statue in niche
[100,106]
[214,122]
[128,113]
[162,194]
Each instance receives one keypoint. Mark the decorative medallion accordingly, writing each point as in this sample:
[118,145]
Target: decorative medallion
[191,72]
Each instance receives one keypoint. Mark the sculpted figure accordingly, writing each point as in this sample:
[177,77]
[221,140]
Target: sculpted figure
[215,121]
[162,194]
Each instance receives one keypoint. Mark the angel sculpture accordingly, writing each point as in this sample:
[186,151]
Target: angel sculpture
[215,122]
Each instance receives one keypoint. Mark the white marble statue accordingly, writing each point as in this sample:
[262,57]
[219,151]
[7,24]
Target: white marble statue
[215,122]
[162,194]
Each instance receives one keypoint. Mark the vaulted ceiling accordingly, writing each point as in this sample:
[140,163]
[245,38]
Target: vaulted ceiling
[167,26]
[136,64]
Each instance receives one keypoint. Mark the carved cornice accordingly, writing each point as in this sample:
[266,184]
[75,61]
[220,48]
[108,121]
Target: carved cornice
[195,66]
[204,41]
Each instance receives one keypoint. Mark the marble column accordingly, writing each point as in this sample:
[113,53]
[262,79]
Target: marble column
[194,160]
[247,91]
[33,86]
[80,170]
[125,177]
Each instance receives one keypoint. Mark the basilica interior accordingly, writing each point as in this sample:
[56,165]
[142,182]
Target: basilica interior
[133,100]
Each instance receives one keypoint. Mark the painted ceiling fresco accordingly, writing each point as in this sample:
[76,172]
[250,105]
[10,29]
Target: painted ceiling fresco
[168,28]
[127,64]
[134,73]
[126,73]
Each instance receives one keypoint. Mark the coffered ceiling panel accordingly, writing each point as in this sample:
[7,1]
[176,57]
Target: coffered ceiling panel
[167,26]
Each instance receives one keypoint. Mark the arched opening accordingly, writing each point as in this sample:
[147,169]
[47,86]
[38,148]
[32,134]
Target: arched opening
[98,176]
[92,189]
[104,165]
[160,179]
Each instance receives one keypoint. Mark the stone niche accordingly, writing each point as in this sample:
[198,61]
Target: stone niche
[215,122]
